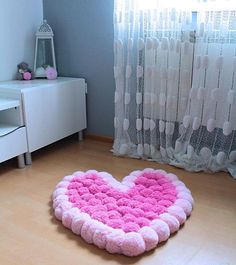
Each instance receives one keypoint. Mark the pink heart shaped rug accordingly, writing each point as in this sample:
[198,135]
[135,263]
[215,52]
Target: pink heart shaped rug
[128,217]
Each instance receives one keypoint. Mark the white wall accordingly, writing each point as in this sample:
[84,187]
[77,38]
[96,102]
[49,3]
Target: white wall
[19,20]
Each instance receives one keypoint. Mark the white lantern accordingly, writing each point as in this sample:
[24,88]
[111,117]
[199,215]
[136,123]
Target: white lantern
[44,50]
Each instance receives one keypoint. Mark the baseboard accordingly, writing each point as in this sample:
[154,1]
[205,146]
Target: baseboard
[99,138]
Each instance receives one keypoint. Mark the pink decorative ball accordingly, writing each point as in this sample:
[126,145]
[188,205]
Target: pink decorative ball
[27,76]
[51,73]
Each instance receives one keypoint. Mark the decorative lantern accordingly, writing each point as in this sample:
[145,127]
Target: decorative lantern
[44,50]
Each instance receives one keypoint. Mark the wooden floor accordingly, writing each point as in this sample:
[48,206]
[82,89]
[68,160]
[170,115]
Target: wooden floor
[30,235]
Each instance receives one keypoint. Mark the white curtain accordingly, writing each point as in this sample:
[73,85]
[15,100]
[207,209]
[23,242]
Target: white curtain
[175,74]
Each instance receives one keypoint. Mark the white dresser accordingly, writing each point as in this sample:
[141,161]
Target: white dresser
[48,110]
[13,140]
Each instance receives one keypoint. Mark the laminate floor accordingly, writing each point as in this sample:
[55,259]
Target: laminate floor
[30,235]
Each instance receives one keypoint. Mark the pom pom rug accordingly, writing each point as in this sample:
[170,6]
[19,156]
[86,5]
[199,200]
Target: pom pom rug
[128,217]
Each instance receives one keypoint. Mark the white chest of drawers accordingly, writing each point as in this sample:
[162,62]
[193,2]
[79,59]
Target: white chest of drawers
[50,110]
[12,130]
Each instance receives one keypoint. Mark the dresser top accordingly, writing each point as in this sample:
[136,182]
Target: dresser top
[20,85]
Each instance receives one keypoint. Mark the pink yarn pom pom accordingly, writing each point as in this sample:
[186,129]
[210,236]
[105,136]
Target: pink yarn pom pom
[100,216]
[104,188]
[169,197]
[133,244]
[78,222]
[123,202]
[94,202]
[156,188]
[124,209]
[155,175]
[99,208]
[134,204]
[58,200]
[87,209]
[115,194]
[87,182]
[146,207]
[150,183]
[142,221]
[51,73]
[137,212]
[114,214]
[65,206]
[162,181]
[178,213]
[115,223]
[162,229]
[72,192]
[100,236]
[100,196]
[87,197]
[146,192]
[74,198]
[133,192]
[139,198]
[151,215]
[57,192]
[74,185]
[157,195]
[141,181]
[165,203]
[83,190]
[80,204]
[94,189]
[129,218]
[27,76]
[88,230]
[172,222]
[159,209]
[114,241]
[130,227]
[150,237]
[68,216]
[109,200]
[185,205]
[111,206]
[185,196]
[99,182]
[150,200]
[58,213]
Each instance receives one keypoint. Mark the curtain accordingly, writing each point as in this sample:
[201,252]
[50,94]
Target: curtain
[175,75]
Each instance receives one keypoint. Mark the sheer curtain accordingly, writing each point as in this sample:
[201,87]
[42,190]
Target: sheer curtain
[175,71]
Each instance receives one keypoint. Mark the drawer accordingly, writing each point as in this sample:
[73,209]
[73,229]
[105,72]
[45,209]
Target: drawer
[13,144]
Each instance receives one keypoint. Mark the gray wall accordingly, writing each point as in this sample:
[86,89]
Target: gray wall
[84,48]
[19,21]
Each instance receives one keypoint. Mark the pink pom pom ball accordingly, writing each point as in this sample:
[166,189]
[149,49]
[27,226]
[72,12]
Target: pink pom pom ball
[51,73]
[27,76]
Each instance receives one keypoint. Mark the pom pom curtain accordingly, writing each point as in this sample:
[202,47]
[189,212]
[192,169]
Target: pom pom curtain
[175,74]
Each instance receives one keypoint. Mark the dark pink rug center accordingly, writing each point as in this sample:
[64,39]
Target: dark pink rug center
[149,197]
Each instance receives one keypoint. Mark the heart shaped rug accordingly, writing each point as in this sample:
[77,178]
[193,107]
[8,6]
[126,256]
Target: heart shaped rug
[128,217]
